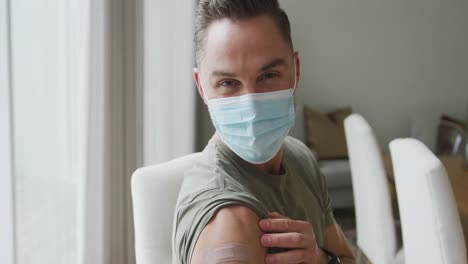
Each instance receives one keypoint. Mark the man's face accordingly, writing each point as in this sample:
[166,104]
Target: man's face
[245,56]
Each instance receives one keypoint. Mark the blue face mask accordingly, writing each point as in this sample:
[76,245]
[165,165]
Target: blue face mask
[254,125]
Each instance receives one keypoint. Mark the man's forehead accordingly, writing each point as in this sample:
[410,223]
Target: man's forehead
[254,41]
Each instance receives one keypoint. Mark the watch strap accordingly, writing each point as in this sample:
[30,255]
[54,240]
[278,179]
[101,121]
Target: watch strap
[332,257]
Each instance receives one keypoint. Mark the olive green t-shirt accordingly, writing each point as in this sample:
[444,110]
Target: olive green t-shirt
[221,178]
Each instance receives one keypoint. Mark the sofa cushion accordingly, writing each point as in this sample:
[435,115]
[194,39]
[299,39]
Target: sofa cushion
[325,133]
[337,173]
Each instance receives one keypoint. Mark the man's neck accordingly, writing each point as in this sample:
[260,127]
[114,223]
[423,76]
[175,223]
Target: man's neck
[272,166]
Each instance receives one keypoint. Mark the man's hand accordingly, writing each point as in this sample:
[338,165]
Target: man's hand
[297,236]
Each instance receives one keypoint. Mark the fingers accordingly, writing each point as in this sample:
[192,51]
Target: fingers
[285,225]
[292,256]
[286,240]
[283,232]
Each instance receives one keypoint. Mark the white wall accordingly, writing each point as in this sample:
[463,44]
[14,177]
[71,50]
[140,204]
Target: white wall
[389,60]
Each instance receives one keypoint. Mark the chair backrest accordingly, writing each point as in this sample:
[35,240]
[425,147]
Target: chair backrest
[154,195]
[376,235]
[430,222]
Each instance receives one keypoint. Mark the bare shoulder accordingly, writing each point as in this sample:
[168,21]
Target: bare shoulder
[233,225]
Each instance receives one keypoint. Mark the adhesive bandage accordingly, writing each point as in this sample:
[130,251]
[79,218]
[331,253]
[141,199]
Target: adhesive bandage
[225,253]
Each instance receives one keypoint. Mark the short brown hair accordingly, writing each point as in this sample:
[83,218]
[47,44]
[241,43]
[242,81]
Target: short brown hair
[209,11]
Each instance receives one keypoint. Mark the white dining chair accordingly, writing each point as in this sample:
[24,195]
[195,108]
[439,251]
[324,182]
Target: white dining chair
[432,232]
[154,194]
[376,231]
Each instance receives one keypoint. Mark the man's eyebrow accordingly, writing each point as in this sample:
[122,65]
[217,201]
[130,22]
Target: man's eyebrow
[223,74]
[274,63]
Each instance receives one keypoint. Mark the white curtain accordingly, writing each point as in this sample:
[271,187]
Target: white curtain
[169,90]
[138,115]
[155,113]
[7,226]
[98,88]
[94,155]
[110,149]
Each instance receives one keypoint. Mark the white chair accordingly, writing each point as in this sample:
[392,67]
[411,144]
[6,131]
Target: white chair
[430,222]
[154,194]
[376,231]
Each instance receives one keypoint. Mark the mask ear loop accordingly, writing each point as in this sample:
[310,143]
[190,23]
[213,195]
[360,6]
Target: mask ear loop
[295,86]
[204,92]
[295,77]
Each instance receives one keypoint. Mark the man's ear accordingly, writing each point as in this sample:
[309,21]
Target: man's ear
[196,77]
[297,61]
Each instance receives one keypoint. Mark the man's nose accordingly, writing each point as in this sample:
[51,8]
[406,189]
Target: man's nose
[250,87]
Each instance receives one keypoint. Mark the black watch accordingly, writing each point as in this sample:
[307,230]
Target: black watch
[332,258]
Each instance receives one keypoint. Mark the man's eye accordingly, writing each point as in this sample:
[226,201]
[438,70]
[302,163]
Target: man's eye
[228,83]
[270,75]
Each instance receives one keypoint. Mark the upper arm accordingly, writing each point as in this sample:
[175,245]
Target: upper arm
[336,242]
[234,224]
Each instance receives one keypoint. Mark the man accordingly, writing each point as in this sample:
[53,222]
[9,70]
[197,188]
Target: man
[256,195]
